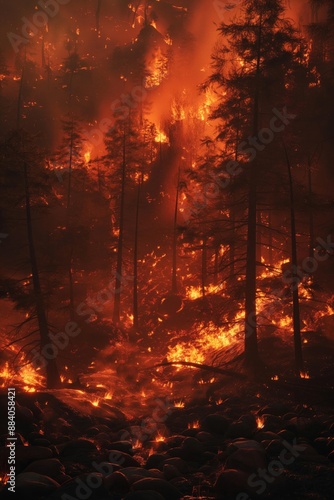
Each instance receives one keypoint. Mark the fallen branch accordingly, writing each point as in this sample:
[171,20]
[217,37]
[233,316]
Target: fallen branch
[214,369]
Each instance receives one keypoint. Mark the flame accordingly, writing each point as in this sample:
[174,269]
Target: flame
[304,375]
[177,111]
[179,404]
[160,438]
[161,137]
[157,69]
[210,337]
[87,156]
[194,425]
[260,422]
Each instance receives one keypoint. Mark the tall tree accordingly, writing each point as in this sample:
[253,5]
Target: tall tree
[253,68]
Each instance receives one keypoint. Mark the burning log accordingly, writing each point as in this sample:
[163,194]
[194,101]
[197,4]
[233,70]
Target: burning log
[200,366]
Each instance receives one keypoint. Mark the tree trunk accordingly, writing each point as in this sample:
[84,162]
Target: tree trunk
[69,229]
[251,347]
[295,279]
[52,374]
[119,266]
[204,264]
[311,218]
[135,261]
[174,262]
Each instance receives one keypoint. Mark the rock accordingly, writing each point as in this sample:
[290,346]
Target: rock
[26,454]
[321,445]
[175,440]
[125,446]
[215,423]
[42,442]
[271,423]
[155,461]
[51,467]
[247,460]
[183,485]
[89,485]
[239,444]
[286,435]
[134,474]
[179,463]
[170,472]
[76,446]
[274,447]
[192,446]
[123,459]
[278,409]
[167,490]
[92,431]
[239,430]
[144,495]
[33,485]
[117,482]
[231,482]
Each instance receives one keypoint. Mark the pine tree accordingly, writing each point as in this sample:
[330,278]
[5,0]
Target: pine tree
[251,70]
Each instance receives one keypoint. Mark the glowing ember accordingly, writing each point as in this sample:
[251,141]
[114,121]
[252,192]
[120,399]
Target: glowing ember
[275,377]
[179,404]
[96,402]
[194,425]
[159,438]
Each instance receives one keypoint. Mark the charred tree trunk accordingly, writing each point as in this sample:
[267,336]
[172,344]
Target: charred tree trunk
[135,260]
[52,374]
[295,278]
[69,228]
[174,259]
[119,266]
[310,204]
[270,242]
[251,346]
[98,14]
[204,264]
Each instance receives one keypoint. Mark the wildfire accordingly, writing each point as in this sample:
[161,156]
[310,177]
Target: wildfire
[26,376]
[87,156]
[209,338]
[161,137]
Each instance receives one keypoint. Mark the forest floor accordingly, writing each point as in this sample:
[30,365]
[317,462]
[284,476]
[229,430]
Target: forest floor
[238,439]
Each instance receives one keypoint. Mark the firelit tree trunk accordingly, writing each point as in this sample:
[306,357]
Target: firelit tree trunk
[174,249]
[251,347]
[69,229]
[135,260]
[204,264]
[52,374]
[119,266]
[310,207]
[295,278]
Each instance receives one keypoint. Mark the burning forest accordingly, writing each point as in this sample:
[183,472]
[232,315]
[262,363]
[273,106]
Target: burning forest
[167,252]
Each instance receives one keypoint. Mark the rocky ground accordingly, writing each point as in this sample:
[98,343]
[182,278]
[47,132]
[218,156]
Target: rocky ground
[272,440]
